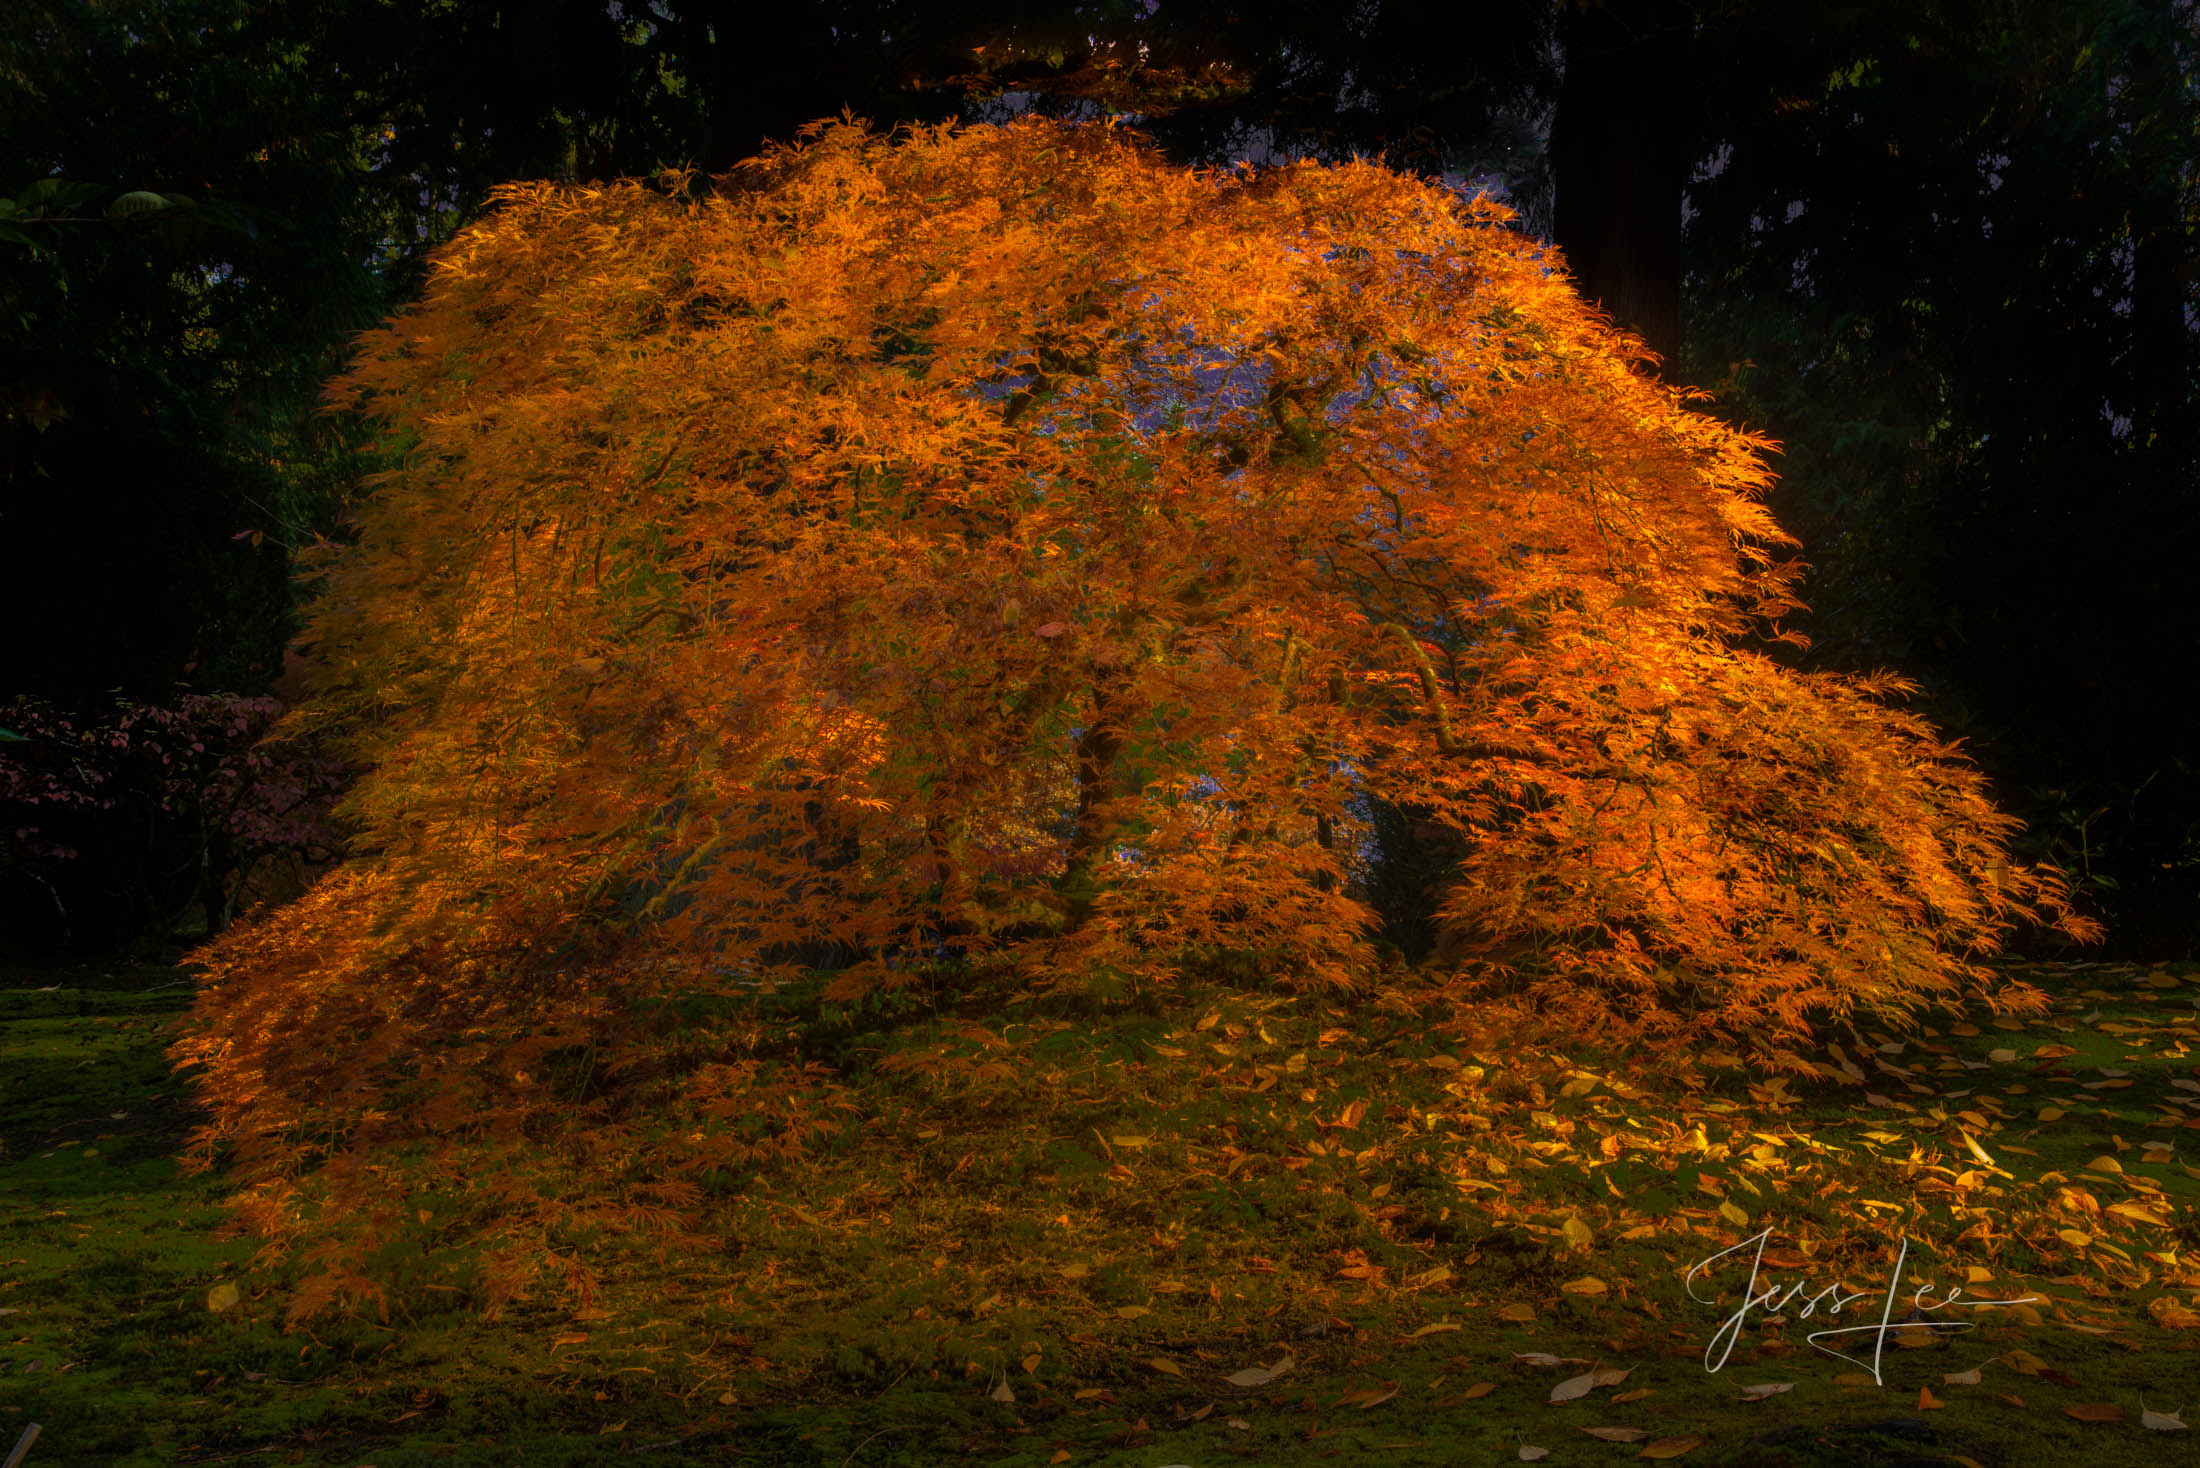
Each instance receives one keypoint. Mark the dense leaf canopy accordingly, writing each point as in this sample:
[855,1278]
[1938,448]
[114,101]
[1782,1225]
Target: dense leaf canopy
[998,551]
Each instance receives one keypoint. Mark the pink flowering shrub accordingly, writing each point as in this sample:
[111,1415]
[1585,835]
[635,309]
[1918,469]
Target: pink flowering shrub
[113,827]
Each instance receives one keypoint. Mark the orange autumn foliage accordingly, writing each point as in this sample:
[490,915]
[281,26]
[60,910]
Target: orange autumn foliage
[998,550]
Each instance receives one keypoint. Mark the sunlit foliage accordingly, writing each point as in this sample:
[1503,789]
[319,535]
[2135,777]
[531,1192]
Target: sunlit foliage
[997,552]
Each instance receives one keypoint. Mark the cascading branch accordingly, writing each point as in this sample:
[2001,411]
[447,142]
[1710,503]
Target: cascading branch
[996,549]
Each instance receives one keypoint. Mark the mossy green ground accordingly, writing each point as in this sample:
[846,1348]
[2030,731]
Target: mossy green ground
[1054,1235]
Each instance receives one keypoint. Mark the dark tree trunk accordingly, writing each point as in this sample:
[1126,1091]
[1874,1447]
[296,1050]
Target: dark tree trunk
[2152,717]
[1619,160]
[1096,754]
[2160,123]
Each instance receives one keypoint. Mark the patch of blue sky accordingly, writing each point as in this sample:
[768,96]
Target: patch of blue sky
[1001,389]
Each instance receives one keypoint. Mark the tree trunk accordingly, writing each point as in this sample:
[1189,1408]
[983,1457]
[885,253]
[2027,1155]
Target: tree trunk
[2160,122]
[2160,514]
[1619,160]
[1097,749]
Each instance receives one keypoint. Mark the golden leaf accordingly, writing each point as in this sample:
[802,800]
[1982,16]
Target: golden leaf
[2170,1315]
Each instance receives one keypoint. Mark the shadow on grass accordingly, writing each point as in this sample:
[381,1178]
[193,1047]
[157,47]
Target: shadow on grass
[1086,1253]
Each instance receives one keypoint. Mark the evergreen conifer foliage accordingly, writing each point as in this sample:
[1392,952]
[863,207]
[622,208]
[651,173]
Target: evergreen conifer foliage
[996,549]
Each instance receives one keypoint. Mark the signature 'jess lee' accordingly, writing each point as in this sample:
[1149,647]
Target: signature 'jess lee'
[1773,1298]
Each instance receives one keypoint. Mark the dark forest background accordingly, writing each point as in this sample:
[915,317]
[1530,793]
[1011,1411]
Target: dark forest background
[1945,251]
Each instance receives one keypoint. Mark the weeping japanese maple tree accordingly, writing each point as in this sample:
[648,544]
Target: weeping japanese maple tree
[996,550]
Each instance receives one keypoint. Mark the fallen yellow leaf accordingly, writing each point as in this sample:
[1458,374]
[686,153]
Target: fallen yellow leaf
[1672,1447]
[2139,1213]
